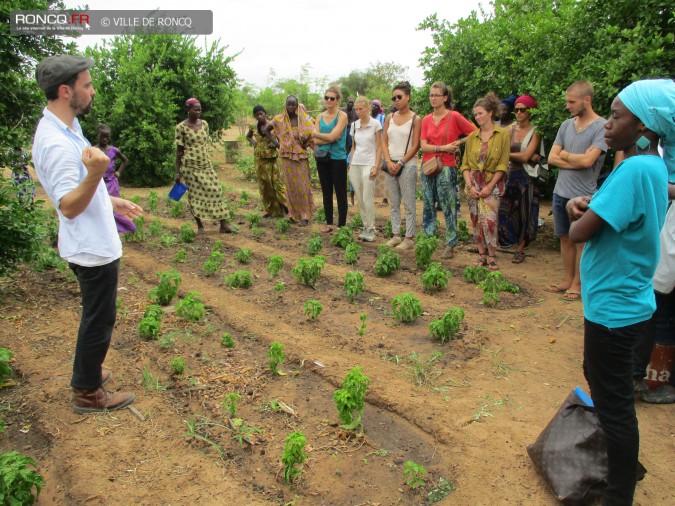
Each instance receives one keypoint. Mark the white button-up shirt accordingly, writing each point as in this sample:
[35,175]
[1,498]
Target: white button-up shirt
[90,239]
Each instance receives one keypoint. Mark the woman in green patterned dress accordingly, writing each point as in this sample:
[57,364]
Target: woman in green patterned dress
[268,174]
[193,163]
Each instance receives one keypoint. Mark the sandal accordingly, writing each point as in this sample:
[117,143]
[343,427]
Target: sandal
[571,296]
[329,229]
[481,261]
[518,257]
[492,264]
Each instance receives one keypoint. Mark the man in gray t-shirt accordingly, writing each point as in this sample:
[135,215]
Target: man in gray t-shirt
[578,152]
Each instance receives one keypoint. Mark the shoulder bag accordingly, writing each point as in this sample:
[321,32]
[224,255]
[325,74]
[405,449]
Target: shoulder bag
[538,171]
[384,165]
[434,166]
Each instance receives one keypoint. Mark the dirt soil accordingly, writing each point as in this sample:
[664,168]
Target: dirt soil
[489,394]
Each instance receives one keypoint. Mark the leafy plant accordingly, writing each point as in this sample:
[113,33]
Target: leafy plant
[180,256]
[191,307]
[177,366]
[424,249]
[167,289]
[218,246]
[492,285]
[280,286]
[139,234]
[186,233]
[406,307]
[155,228]
[246,166]
[17,480]
[153,201]
[153,311]
[351,398]
[276,356]
[239,279]
[354,285]
[274,266]
[435,277]
[443,489]
[227,340]
[168,240]
[283,225]
[424,370]
[362,328]
[475,274]
[151,382]
[313,309]
[320,215]
[293,455]
[243,256]
[356,222]
[447,326]
[414,474]
[48,258]
[352,253]
[148,328]
[462,231]
[388,231]
[5,369]
[314,245]
[343,237]
[244,195]
[387,262]
[230,403]
[307,270]
[253,219]
[257,232]
[176,210]
[216,259]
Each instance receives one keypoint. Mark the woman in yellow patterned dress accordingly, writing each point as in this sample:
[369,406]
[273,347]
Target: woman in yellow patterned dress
[294,129]
[193,163]
[266,157]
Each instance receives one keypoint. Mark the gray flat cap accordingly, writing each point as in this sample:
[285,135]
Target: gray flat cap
[55,70]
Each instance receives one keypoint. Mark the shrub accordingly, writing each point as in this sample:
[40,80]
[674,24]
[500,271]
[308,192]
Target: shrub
[314,245]
[343,237]
[424,249]
[276,356]
[155,228]
[406,307]
[253,219]
[176,210]
[191,307]
[293,455]
[354,285]
[307,270]
[387,262]
[167,289]
[435,277]
[186,233]
[351,398]
[320,215]
[352,253]
[243,256]
[239,279]
[246,165]
[283,225]
[356,222]
[17,480]
[148,328]
[180,256]
[313,309]
[475,274]
[274,266]
[462,231]
[446,327]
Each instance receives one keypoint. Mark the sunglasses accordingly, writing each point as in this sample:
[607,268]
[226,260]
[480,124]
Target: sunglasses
[521,109]
[396,97]
[330,99]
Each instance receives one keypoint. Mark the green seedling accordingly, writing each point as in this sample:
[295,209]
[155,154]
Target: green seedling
[362,328]
[177,366]
[253,219]
[414,474]
[148,328]
[244,195]
[257,232]
[424,249]
[313,309]
[168,240]
[155,228]
[354,285]
[186,233]
[492,285]
[243,256]
[150,382]
[167,289]
[176,210]
[443,489]
[280,286]
[136,199]
[351,398]
[388,232]
[293,456]
[191,307]
[343,237]
[446,328]
[475,274]
[215,261]
[5,369]
[307,270]
[356,222]
[352,253]
[283,225]
[320,215]
[387,262]
[218,246]
[153,201]
[239,279]
[167,341]
[274,266]
[276,356]
[435,277]
[180,256]
[462,231]
[314,245]
[227,340]
[153,311]
[230,403]
[17,480]
[406,307]
[139,234]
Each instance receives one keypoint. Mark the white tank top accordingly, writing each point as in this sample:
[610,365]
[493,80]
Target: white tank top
[398,138]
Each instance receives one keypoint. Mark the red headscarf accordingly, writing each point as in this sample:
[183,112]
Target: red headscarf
[190,102]
[527,101]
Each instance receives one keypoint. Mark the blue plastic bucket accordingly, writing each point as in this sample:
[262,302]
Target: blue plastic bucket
[177,191]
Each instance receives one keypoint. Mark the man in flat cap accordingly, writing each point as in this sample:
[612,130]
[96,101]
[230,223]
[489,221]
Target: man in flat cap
[71,171]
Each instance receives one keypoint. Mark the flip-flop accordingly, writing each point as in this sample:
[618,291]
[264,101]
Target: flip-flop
[553,288]
[571,296]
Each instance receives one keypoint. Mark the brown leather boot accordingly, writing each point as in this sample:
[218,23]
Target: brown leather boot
[106,375]
[95,401]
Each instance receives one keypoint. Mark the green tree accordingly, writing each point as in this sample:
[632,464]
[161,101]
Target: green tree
[374,82]
[142,82]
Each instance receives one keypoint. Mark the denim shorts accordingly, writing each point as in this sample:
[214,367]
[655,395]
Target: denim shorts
[561,222]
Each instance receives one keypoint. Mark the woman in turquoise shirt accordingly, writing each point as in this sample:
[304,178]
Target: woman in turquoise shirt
[330,134]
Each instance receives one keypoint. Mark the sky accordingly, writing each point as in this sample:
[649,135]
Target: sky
[334,38]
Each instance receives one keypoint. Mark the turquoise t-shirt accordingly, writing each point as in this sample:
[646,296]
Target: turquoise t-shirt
[338,148]
[619,261]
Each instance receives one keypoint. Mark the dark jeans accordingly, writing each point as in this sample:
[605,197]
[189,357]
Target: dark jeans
[333,176]
[98,287]
[608,367]
[661,328]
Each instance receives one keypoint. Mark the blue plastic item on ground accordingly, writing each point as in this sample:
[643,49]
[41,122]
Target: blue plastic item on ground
[584,396]
[177,191]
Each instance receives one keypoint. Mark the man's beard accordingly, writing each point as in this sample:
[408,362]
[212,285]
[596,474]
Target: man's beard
[79,111]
